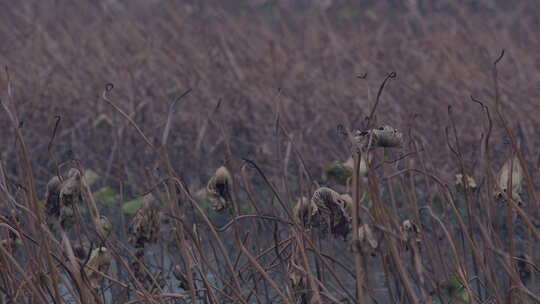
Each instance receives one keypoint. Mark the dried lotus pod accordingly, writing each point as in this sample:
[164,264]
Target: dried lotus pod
[304,210]
[330,207]
[70,191]
[144,227]
[62,197]
[70,197]
[326,200]
[384,137]
[100,260]
[219,189]
[462,181]
[103,226]
[511,169]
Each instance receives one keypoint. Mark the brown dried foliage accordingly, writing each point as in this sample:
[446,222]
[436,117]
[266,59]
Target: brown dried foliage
[145,224]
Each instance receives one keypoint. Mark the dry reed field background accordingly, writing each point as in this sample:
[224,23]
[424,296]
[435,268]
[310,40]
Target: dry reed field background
[270,151]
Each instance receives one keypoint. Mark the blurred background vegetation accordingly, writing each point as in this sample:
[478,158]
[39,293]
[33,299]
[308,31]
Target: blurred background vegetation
[263,74]
[253,58]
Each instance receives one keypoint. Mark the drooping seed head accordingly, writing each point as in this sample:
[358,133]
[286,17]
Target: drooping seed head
[325,199]
[219,189]
[70,191]
[144,227]
[69,198]
[103,226]
[384,137]
[331,208]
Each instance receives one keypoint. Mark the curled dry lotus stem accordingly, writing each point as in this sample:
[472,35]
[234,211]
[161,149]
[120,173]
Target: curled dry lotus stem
[462,181]
[219,189]
[304,210]
[144,227]
[510,170]
[100,259]
[63,197]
